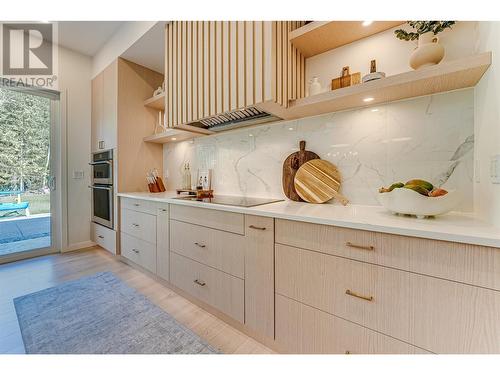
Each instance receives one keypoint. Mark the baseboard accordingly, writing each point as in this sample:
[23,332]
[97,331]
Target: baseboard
[78,246]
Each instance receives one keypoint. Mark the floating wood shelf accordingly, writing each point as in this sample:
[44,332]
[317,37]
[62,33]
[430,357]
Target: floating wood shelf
[321,36]
[447,76]
[181,133]
[156,102]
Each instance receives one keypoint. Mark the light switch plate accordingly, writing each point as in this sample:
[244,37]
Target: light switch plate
[495,169]
[78,175]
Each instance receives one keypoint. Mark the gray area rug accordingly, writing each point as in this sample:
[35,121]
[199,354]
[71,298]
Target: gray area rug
[99,314]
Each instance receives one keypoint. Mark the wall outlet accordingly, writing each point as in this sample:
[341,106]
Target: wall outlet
[78,175]
[495,169]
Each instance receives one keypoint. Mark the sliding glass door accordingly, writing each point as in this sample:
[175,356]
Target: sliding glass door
[27,184]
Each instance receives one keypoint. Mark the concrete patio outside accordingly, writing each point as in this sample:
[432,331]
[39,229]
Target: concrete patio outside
[19,234]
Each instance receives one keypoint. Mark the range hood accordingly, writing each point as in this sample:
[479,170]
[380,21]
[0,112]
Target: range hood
[235,119]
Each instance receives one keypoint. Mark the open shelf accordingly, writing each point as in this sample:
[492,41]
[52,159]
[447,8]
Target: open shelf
[156,102]
[321,36]
[177,134]
[447,76]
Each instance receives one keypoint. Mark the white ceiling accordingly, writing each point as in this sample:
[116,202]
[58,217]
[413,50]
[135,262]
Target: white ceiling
[86,37]
[149,50]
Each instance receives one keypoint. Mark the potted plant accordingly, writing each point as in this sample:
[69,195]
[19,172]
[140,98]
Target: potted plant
[428,51]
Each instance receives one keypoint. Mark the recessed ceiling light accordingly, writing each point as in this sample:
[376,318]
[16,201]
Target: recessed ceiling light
[174,139]
[369,99]
[367,23]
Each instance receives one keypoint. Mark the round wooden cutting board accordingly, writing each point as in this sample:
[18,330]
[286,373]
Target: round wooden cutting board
[318,181]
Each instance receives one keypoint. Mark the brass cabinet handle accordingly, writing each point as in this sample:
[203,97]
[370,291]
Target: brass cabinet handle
[363,247]
[199,244]
[136,251]
[200,283]
[258,228]
[353,294]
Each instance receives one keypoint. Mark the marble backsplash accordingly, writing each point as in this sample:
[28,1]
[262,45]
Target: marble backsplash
[430,137]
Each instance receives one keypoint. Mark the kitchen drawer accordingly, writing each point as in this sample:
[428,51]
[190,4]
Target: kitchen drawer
[104,237]
[138,224]
[227,221]
[148,207]
[138,251]
[373,296]
[216,288]
[212,247]
[449,317]
[471,264]
[303,329]
[372,247]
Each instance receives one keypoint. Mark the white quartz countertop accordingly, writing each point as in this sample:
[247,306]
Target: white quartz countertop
[456,227]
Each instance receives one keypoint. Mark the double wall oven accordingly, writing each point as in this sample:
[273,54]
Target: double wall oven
[102,188]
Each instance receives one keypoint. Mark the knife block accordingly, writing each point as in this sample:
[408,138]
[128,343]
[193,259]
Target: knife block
[157,187]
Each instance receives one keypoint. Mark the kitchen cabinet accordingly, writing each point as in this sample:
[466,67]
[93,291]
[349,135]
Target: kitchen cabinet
[259,274]
[214,67]
[144,235]
[104,109]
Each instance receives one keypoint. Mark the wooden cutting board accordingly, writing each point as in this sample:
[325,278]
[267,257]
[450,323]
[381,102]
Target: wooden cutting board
[318,181]
[290,166]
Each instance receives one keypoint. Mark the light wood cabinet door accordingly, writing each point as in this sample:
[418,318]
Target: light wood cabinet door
[110,106]
[373,296]
[138,251]
[215,248]
[450,317]
[97,111]
[216,288]
[139,225]
[301,329]
[162,244]
[222,220]
[259,274]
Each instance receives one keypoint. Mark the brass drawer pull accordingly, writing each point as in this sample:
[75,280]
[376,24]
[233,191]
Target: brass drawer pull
[363,247]
[258,228]
[199,244]
[349,293]
[200,283]
[136,251]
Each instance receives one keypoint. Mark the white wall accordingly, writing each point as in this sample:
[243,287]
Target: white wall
[121,40]
[487,124]
[74,83]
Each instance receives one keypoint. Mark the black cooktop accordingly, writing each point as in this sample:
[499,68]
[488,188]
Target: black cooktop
[229,200]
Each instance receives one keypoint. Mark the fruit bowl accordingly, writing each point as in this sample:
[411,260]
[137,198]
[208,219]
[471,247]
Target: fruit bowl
[409,202]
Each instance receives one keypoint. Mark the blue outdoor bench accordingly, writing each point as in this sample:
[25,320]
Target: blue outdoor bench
[13,207]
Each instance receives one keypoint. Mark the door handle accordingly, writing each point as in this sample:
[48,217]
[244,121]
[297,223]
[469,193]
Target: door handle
[200,283]
[353,294]
[363,247]
[200,244]
[258,228]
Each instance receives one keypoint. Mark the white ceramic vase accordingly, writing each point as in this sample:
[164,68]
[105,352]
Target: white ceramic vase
[428,52]
[314,86]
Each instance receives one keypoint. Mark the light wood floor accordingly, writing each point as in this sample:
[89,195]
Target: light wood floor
[23,277]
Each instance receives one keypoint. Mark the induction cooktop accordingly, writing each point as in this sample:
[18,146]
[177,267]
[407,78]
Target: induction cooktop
[229,200]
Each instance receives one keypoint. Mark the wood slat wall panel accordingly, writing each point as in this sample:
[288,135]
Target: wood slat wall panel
[216,66]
